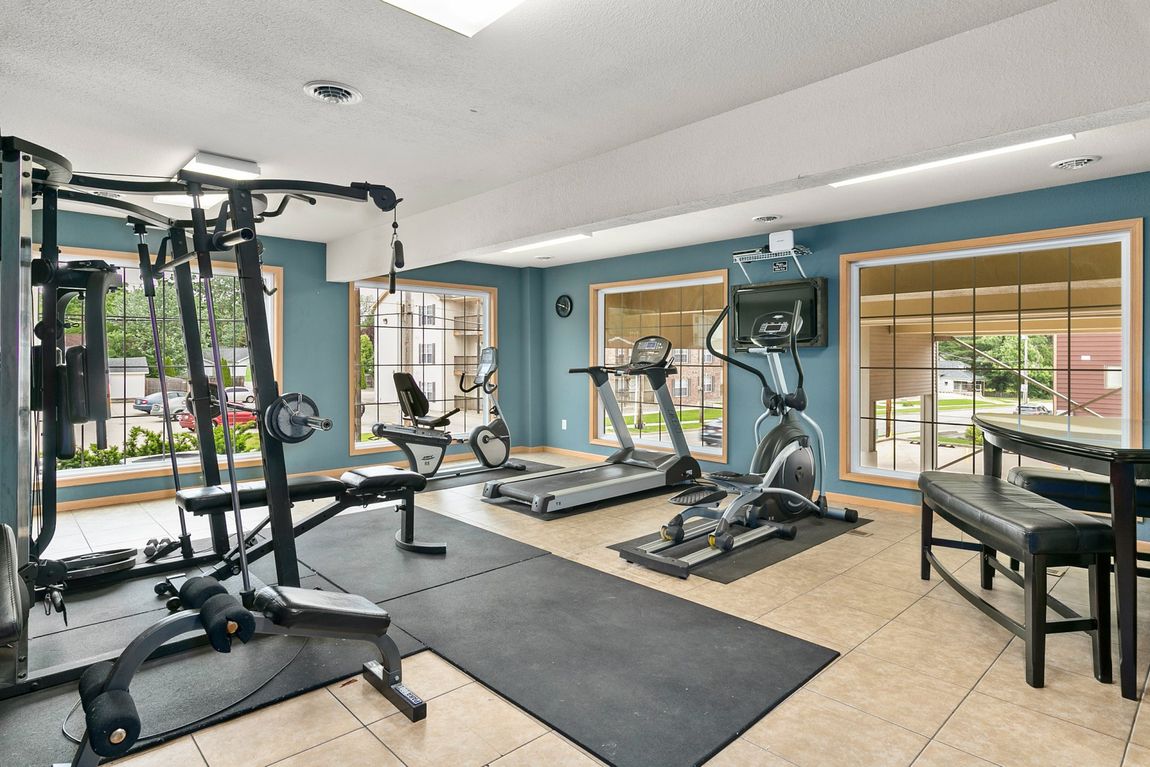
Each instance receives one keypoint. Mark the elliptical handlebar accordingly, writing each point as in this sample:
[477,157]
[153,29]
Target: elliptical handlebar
[768,393]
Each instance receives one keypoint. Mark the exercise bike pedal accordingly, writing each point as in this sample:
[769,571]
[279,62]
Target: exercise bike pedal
[699,496]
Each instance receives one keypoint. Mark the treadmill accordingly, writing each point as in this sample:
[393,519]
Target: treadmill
[629,469]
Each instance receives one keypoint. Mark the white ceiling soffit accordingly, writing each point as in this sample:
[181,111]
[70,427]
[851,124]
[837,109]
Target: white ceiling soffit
[554,82]
[1069,66]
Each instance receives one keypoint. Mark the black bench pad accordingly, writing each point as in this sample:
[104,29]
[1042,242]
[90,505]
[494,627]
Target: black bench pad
[1077,489]
[218,498]
[1012,520]
[329,611]
[371,480]
[11,589]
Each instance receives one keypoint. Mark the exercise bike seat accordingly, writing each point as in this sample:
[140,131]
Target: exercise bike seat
[434,420]
[413,402]
[700,495]
[323,611]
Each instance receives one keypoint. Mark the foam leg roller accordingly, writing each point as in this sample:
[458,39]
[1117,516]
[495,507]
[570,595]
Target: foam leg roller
[196,591]
[92,682]
[113,723]
[224,618]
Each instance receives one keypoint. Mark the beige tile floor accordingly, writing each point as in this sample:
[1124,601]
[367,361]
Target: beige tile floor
[924,679]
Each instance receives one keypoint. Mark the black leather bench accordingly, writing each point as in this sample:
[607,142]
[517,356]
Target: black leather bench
[1077,489]
[1035,531]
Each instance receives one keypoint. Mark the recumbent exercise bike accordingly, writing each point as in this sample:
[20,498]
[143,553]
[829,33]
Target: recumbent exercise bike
[784,483]
[426,440]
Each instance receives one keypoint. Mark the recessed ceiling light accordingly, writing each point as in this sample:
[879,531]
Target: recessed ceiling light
[1076,163]
[764,219]
[463,16]
[218,165]
[545,243]
[186,201]
[955,160]
[330,92]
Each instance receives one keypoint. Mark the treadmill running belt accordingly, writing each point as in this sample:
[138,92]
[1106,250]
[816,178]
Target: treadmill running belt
[527,489]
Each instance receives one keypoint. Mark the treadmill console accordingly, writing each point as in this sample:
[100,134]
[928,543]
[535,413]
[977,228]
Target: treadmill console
[648,352]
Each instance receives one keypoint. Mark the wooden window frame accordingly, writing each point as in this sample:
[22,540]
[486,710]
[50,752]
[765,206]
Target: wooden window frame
[106,474]
[848,322]
[593,354]
[355,447]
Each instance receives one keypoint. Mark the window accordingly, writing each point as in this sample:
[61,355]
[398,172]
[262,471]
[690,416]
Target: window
[133,378]
[709,384]
[708,358]
[1043,323]
[681,309]
[1112,377]
[389,333]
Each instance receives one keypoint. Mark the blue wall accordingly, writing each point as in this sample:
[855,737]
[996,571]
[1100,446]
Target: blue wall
[565,340]
[537,347]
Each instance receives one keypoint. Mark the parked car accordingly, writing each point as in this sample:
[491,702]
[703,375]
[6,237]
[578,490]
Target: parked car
[153,404]
[712,433]
[1032,410]
[236,417]
[240,394]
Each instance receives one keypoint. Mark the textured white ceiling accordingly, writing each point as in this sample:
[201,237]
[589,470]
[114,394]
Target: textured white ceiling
[1070,66]
[568,115]
[130,86]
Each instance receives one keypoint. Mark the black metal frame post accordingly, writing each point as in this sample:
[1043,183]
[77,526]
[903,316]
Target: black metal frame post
[266,388]
[50,342]
[201,399]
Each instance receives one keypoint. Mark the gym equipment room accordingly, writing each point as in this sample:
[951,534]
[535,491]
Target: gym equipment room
[560,383]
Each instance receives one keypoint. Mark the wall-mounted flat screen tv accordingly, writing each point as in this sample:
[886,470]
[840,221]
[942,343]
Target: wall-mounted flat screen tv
[749,302]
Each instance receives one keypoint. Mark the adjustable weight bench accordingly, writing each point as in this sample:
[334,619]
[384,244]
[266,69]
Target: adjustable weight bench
[357,487]
[113,721]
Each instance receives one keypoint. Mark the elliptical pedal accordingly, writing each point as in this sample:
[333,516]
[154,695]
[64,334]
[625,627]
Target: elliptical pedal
[699,495]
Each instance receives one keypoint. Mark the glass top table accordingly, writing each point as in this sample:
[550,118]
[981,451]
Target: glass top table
[1111,447]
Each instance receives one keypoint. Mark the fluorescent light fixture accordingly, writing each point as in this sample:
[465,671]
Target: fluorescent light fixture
[955,160]
[545,243]
[186,201]
[218,165]
[463,16]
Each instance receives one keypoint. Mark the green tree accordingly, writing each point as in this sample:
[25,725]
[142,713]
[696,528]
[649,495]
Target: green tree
[1007,349]
[366,359]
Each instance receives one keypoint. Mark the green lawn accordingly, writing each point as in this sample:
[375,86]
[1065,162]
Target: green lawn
[690,418]
[965,403]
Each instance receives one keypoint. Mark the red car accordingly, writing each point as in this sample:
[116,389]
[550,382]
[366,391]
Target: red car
[188,421]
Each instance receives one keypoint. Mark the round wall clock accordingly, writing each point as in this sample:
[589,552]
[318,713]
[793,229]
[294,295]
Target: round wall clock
[564,305]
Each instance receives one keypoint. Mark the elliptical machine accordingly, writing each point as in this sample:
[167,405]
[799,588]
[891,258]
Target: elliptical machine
[785,480]
[426,440]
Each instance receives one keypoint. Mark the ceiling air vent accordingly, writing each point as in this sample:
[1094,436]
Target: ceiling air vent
[1075,163]
[764,219]
[333,93]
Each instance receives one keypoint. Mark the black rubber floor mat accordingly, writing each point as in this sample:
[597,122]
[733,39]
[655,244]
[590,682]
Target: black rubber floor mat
[635,676]
[810,532]
[357,552]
